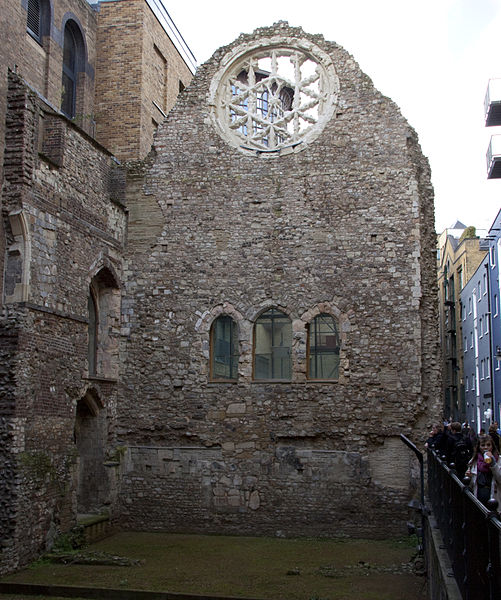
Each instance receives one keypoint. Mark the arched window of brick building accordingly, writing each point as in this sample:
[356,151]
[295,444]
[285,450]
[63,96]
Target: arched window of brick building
[103,330]
[73,64]
[273,346]
[224,349]
[323,348]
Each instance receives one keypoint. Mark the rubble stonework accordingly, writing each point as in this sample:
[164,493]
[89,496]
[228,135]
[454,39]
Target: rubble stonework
[115,275]
[343,227]
[64,224]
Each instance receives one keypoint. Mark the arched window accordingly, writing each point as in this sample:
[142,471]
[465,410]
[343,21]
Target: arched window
[93,332]
[104,325]
[323,348]
[272,346]
[69,72]
[224,349]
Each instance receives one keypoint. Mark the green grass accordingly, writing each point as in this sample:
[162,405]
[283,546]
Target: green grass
[268,568]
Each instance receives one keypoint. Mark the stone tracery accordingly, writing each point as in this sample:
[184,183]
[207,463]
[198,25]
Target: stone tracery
[276,97]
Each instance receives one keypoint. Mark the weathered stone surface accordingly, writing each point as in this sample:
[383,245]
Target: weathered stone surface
[344,227]
[143,260]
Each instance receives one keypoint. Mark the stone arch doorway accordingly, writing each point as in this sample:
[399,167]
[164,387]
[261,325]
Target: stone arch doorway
[90,441]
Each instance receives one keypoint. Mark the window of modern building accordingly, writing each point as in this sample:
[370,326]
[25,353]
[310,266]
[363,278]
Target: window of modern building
[496,305]
[34,19]
[465,344]
[479,291]
[272,346]
[492,251]
[469,305]
[466,388]
[69,72]
[224,349]
[486,324]
[485,284]
[323,348]
[487,368]
[38,19]
[73,65]
[480,327]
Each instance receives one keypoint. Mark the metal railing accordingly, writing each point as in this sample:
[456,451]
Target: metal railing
[493,152]
[471,532]
[493,93]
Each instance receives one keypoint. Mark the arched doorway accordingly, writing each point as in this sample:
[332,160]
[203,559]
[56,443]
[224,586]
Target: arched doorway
[90,441]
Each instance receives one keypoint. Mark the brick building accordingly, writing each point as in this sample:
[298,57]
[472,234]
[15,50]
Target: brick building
[230,334]
[459,253]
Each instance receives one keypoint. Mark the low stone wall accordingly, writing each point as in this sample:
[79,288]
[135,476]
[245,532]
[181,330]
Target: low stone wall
[441,582]
[289,492]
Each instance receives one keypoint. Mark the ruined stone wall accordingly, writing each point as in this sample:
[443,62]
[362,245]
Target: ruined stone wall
[39,62]
[343,227]
[64,221]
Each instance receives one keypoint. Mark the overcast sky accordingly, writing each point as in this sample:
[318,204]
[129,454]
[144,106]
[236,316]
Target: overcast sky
[433,58]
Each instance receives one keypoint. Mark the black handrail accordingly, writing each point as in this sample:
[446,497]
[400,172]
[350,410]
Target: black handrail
[471,532]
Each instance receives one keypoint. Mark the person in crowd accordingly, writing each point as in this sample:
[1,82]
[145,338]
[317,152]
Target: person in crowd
[484,471]
[437,440]
[436,434]
[458,449]
[493,432]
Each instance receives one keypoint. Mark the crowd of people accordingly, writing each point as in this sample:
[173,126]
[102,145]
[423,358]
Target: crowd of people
[474,456]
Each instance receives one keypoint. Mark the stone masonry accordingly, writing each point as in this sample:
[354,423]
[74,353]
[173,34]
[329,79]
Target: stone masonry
[307,198]
[343,227]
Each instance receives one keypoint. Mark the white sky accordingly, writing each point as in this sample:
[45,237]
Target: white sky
[433,58]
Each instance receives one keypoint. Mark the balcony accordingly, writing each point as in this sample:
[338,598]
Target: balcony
[492,103]
[494,158]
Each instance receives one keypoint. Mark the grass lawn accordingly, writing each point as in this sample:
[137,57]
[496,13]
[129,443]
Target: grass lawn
[268,568]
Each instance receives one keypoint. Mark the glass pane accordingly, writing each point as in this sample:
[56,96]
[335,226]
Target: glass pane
[324,348]
[272,346]
[70,49]
[68,101]
[224,347]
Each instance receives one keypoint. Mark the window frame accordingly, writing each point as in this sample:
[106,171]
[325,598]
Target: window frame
[309,348]
[34,12]
[273,314]
[71,74]
[234,354]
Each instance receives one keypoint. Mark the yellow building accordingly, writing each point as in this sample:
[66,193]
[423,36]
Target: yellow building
[459,253]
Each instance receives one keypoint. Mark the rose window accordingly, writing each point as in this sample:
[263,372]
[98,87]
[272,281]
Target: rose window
[275,98]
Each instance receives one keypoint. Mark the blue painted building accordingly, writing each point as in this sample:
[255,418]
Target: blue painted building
[495,296]
[476,341]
